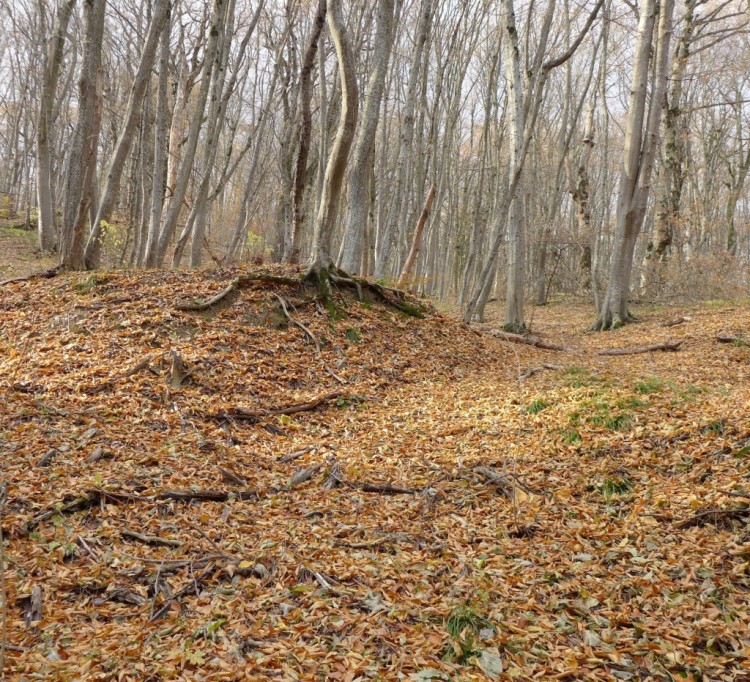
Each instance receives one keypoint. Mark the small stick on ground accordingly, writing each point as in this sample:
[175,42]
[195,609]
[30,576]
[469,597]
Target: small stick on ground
[676,322]
[152,540]
[295,455]
[191,588]
[232,477]
[716,516]
[385,489]
[727,338]
[535,370]
[207,495]
[667,347]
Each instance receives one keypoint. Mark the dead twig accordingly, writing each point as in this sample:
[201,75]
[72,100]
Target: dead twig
[304,475]
[232,477]
[535,370]
[45,274]
[295,455]
[152,540]
[384,489]
[207,495]
[191,588]
[727,338]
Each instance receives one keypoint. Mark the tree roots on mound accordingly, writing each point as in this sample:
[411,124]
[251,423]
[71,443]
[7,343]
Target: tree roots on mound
[322,278]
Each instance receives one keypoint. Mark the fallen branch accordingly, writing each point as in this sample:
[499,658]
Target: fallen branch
[45,274]
[141,365]
[667,346]
[535,370]
[198,306]
[207,495]
[676,322]
[504,485]
[295,455]
[738,340]
[528,340]
[304,475]
[714,516]
[152,540]
[257,414]
[384,489]
[46,459]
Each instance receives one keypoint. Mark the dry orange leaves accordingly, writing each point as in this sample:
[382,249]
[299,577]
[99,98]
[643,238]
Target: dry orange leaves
[429,517]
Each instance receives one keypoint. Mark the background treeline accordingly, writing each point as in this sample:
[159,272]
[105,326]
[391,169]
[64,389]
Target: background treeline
[473,149]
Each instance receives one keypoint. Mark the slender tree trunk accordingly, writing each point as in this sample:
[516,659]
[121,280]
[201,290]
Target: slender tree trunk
[321,260]
[53,57]
[125,139]
[414,251]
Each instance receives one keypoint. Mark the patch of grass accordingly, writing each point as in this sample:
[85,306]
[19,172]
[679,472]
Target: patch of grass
[648,385]
[718,426]
[464,625]
[86,284]
[629,403]
[537,406]
[581,377]
[353,335]
[620,485]
[571,436]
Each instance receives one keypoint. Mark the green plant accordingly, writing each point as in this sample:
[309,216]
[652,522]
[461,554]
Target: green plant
[353,335]
[620,485]
[571,436]
[464,625]
[537,406]
[648,386]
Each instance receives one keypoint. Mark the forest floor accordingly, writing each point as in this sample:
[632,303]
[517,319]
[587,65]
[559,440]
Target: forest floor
[19,254]
[205,495]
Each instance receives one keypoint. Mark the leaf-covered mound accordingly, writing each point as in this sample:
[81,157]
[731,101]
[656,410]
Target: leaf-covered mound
[258,490]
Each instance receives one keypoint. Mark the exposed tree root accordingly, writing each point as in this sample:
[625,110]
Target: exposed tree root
[211,302]
[255,415]
[45,274]
[668,346]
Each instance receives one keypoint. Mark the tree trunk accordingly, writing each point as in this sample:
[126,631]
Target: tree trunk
[53,57]
[82,162]
[124,141]
[305,128]
[414,251]
[641,137]
[358,184]
[320,260]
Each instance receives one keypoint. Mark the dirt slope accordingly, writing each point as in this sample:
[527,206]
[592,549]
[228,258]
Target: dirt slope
[356,538]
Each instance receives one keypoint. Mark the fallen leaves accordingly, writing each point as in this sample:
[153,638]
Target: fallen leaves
[255,520]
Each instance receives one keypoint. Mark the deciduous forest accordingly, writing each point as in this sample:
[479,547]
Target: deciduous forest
[375,340]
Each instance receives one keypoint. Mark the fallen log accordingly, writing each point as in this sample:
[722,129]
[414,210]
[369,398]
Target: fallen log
[738,340]
[45,274]
[529,340]
[245,413]
[667,346]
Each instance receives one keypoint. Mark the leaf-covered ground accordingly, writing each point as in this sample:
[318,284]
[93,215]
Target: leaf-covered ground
[433,517]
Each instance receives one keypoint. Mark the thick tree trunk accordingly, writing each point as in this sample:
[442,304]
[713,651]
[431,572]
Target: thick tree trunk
[358,184]
[82,162]
[305,128]
[641,138]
